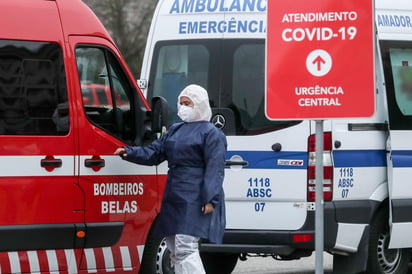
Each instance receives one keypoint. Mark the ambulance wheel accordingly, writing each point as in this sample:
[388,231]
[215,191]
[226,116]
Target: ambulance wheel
[156,257]
[222,263]
[382,260]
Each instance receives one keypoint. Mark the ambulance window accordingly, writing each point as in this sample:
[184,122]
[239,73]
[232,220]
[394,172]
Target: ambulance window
[243,91]
[105,91]
[176,67]
[248,80]
[33,93]
[401,61]
[397,59]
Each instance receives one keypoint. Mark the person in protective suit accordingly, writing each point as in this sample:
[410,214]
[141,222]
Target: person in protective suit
[193,201]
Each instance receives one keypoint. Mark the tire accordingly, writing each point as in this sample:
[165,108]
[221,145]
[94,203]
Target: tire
[382,260]
[219,263]
[156,258]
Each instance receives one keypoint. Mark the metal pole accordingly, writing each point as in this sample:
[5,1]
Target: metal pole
[319,198]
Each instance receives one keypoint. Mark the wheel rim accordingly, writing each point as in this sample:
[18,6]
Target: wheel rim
[388,258]
[163,263]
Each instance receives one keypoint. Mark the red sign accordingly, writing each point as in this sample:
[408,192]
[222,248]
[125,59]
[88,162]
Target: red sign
[320,59]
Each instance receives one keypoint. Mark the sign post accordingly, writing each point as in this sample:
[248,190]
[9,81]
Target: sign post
[319,233]
[319,65]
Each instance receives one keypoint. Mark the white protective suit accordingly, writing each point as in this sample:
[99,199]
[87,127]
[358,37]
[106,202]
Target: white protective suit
[195,151]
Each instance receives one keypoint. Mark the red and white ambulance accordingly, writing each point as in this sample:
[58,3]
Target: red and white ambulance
[68,205]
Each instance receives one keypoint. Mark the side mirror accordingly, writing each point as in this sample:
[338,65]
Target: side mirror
[159,115]
[154,123]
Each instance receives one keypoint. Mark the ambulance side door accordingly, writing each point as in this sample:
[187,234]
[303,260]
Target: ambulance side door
[121,197]
[41,203]
[397,63]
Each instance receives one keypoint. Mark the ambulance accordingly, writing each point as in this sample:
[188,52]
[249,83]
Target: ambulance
[68,205]
[269,180]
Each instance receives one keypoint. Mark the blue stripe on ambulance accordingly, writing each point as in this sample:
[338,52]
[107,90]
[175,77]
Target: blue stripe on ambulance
[343,158]
[401,158]
[359,158]
[271,160]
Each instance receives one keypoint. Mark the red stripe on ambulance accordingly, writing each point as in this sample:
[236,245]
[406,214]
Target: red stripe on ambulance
[96,260]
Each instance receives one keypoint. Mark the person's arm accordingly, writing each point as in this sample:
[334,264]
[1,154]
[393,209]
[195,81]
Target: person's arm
[152,154]
[214,157]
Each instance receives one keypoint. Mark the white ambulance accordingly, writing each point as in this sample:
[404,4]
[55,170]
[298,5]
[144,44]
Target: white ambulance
[269,183]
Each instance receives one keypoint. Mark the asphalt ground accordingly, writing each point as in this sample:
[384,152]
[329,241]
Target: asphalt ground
[259,265]
[267,265]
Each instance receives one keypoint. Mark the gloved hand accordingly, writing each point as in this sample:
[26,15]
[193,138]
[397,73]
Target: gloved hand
[208,208]
[121,151]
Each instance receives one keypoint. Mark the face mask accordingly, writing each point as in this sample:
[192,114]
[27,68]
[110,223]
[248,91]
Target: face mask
[186,113]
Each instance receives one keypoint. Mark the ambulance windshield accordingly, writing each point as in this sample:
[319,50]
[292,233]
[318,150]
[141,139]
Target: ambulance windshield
[233,72]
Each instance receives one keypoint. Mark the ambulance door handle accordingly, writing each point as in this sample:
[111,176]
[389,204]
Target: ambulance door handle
[50,163]
[95,163]
[236,163]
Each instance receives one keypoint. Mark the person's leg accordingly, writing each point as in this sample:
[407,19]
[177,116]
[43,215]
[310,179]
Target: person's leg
[187,255]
